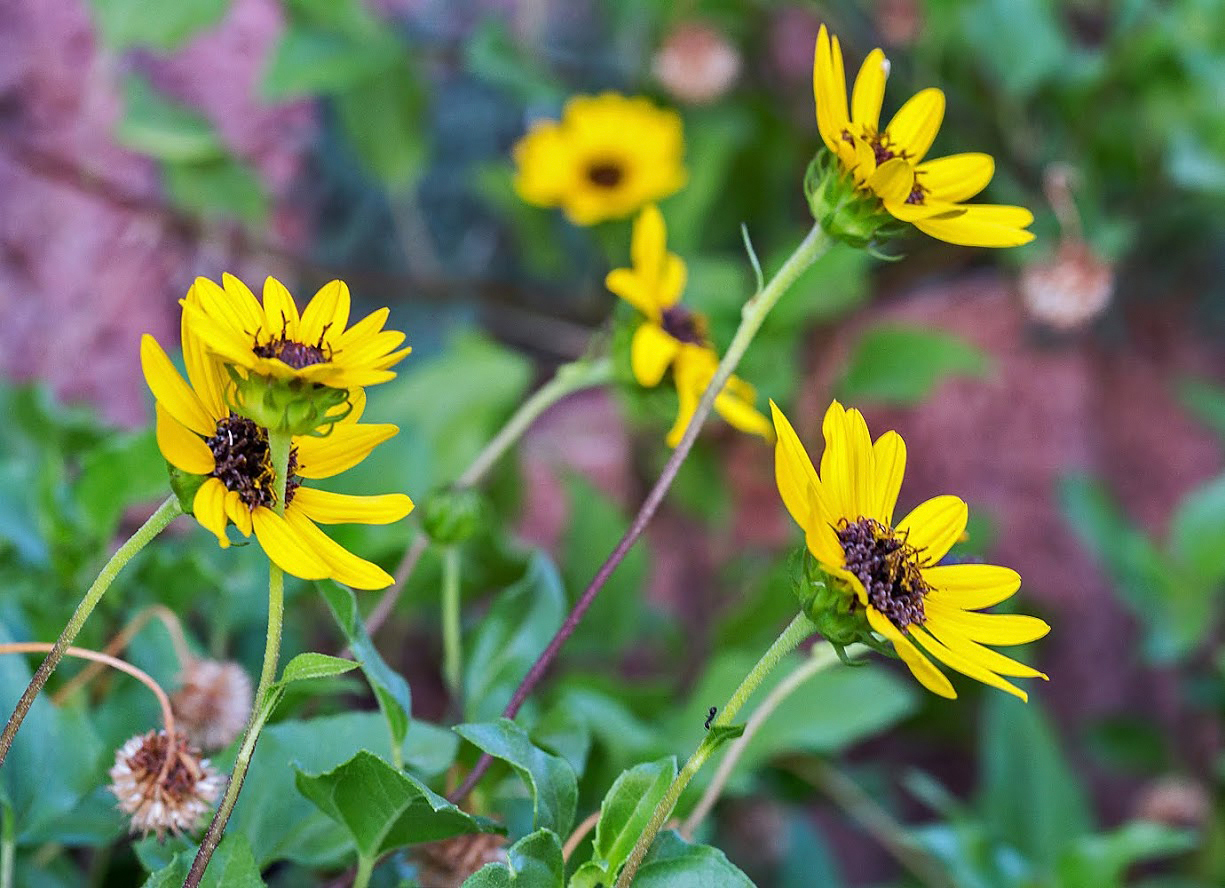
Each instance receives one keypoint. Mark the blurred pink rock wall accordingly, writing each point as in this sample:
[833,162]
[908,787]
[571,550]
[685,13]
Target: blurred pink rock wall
[91,256]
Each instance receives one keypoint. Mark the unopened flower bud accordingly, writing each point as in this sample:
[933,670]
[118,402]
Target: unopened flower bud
[214,703]
[696,64]
[452,515]
[163,785]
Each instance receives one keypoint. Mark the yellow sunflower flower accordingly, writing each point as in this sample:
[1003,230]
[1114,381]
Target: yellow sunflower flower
[606,157]
[229,455]
[924,608]
[672,335]
[889,163]
[273,340]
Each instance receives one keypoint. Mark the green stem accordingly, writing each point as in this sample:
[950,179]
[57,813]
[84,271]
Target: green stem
[569,378]
[822,657]
[166,512]
[279,444]
[8,844]
[365,868]
[452,641]
[797,630]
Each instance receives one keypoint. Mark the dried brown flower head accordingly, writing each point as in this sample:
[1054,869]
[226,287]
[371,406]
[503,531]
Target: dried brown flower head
[447,864]
[214,703]
[1069,290]
[164,786]
[1175,801]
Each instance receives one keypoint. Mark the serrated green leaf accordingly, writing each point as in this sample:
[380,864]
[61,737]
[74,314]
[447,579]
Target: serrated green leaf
[304,667]
[903,365]
[126,23]
[381,808]
[232,866]
[156,125]
[549,778]
[535,861]
[624,814]
[390,688]
[510,637]
[674,863]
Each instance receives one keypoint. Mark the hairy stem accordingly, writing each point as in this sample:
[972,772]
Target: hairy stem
[797,630]
[452,640]
[752,316]
[279,445]
[166,512]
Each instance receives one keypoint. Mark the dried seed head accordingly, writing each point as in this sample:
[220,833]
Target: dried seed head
[214,703]
[164,786]
[1071,289]
[1175,801]
[697,64]
[447,864]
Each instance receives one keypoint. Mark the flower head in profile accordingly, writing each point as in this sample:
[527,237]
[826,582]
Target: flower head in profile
[226,460]
[673,336]
[291,368]
[890,163]
[607,157]
[891,571]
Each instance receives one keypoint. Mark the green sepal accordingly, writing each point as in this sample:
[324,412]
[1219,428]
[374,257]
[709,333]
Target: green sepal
[850,214]
[830,603]
[452,515]
[184,485]
[288,405]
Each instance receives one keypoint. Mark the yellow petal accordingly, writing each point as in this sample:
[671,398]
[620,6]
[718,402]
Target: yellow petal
[286,547]
[687,392]
[889,459]
[934,526]
[209,509]
[326,315]
[651,352]
[893,180]
[634,289]
[741,413]
[847,465]
[343,565]
[793,470]
[343,448]
[920,667]
[981,225]
[957,177]
[829,90]
[223,308]
[243,304]
[236,510]
[989,659]
[204,373]
[171,391]
[648,243]
[366,327]
[965,665]
[869,91]
[280,312]
[181,447]
[672,282]
[971,586]
[325,507]
[914,127]
[996,629]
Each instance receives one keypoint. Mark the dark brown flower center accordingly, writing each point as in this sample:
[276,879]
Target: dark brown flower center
[606,174]
[181,774]
[888,567]
[918,194]
[684,325]
[295,354]
[243,462]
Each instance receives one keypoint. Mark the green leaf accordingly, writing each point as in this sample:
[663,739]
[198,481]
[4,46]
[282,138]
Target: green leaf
[383,119]
[232,866]
[549,778]
[674,863]
[624,814]
[535,861]
[308,61]
[491,54]
[595,526]
[1102,859]
[155,125]
[381,808]
[1206,401]
[126,23]
[714,139]
[1023,43]
[510,637]
[902,365]
[390,688]
[123,470]
[1197,531]
[220,188]
[1031,797]
[307,666]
